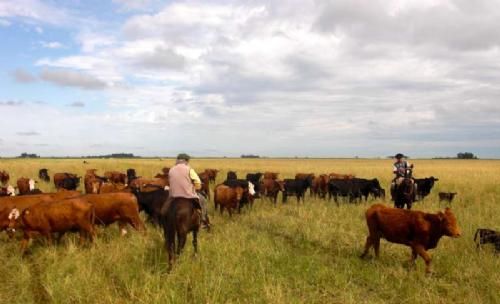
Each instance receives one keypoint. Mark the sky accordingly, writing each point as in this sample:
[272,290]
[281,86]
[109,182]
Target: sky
[312,78]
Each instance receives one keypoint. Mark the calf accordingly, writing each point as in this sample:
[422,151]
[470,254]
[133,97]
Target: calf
[228,198]
[416,229]
[46,218]
[446,196]
[271,187]
[112,207]
[487,236]
[424,186]
[295,187]
[43,174]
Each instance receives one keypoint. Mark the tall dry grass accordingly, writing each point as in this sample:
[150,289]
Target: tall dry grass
[285,254]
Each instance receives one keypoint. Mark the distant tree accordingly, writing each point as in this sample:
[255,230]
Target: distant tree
[249,156]
[466,155]
[28,155]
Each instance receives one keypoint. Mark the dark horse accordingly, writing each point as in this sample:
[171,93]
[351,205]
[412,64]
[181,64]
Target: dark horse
[404,194]
[180,218]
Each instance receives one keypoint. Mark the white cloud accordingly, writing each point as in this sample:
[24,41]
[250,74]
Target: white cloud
[23,76]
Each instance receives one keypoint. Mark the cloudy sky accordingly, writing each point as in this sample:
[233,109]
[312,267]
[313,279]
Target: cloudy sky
[276,78]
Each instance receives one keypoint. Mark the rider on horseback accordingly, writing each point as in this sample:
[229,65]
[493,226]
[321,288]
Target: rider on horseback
[402,169]
[184,182]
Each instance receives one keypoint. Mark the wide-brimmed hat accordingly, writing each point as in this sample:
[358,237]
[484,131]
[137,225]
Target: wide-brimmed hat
[399,156]
[183,156]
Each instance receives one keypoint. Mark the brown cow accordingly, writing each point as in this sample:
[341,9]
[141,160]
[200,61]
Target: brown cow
[92,182]
[340,176]
[271,187]
[320,186]
[22,202]
[205,183]
[271,175]
[113,188]
[46,218]
[228,198]
[4,177]
[212,174]
[112,207]
[416,229]
[59,179]
[149,184]
[27,186]
[116,177]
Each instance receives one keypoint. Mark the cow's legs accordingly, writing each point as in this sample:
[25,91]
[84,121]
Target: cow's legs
[25,241]
[413,257]
[427,258]
[368,244]
[376,245]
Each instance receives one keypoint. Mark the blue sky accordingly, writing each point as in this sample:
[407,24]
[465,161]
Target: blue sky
[225,78]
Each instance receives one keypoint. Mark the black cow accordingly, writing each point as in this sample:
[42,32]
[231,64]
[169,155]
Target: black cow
[295,187]
[43,174]
[131,175]
[254,178]
[151,202]
[70,183]
[345,188]
[487,236]
[368,186]
[231,175]
[424,186]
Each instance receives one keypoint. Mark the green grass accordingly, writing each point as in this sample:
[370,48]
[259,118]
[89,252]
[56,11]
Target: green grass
[286,254]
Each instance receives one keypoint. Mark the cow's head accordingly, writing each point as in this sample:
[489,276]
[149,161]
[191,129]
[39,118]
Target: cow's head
[31,184]
[14,218]
[11,191]
[449,225]
[281,185]
[251,189]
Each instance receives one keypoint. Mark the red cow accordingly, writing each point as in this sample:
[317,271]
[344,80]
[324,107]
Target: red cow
[419,230]
[228,198]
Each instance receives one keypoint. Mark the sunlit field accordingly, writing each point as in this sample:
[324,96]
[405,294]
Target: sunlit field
[307,253]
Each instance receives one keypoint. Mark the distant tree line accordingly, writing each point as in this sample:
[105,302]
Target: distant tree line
[249,156]
[466,155]
[114,155]
[28,155]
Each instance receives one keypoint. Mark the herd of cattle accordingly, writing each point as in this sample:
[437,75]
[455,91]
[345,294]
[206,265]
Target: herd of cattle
[120,197]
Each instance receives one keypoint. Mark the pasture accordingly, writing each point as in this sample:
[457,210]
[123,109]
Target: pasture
[307,253]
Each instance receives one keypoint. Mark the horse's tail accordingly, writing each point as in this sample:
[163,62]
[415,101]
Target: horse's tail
[169,226]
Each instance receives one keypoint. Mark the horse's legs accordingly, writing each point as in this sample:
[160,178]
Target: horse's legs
[181,236]
[195,240]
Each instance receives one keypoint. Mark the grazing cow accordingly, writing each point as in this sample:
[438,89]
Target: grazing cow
[116,177]
[334,175]
[271,187]
[228,197]
[43,174]
[487,236]
[112,207]
[180,219]
[205,183]
[212,174]
[368,186]
[7,191]
[151,202]
[416,229]
[68,181]
[424,186]
[255,178]
[447,196]
[231,175]
[271,175]
[131,175]
[295,187]
[4,177]
[46,218]
[344,188]
[319,185]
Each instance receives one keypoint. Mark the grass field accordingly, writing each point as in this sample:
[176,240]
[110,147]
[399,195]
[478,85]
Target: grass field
[286,254]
